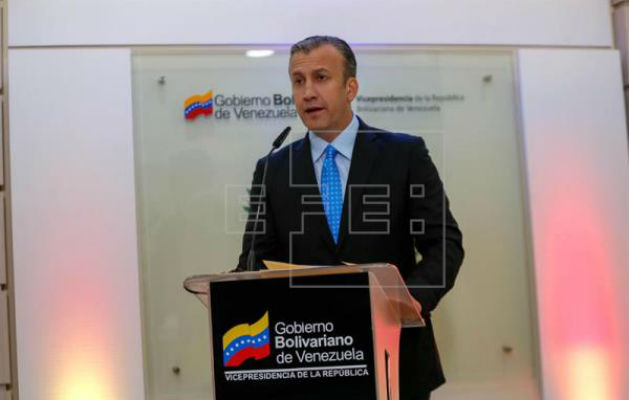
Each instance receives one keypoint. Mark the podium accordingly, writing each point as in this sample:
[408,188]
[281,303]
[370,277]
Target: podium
[310,333]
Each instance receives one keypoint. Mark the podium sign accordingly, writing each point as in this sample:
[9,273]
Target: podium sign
[313,333]
[293,337]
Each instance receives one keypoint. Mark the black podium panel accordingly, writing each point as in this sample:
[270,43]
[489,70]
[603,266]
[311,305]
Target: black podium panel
[275,340]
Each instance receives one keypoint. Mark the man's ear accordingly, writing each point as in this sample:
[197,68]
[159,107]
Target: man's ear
[352,88]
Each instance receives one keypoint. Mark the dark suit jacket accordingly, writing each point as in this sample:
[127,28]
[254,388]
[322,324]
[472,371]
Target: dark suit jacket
[394,201]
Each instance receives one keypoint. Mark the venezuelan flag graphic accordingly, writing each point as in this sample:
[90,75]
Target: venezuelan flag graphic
[197,105]
[246,341]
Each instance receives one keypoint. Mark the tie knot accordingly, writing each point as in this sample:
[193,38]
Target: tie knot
[331,152]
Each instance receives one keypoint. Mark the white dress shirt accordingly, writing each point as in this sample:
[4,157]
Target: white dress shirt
[344,144]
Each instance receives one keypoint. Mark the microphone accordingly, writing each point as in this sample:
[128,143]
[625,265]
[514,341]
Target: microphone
[251,257]
[280,139]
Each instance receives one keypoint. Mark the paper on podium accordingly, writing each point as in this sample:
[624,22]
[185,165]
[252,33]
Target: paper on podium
[282,265]
[308,269]
[278,265]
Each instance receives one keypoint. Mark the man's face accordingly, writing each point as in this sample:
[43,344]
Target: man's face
[322,95]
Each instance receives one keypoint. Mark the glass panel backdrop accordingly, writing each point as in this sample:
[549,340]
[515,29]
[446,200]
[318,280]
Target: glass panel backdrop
[192,177]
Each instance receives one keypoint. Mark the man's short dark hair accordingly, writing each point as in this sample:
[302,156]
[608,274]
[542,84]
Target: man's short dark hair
[313,42]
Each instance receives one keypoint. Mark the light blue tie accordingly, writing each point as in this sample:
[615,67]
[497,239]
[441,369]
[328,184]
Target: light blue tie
[331,192]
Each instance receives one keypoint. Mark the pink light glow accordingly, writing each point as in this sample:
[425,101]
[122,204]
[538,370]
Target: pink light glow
[80,347]
[581,334]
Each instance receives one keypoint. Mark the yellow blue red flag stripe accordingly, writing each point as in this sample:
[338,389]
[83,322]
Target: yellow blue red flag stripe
[197,105]
[245,341]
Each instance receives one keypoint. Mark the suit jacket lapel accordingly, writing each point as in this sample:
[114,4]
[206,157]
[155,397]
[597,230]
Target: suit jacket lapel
[363,155]
[303,178]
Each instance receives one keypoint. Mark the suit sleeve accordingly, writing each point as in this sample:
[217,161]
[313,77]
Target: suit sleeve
[265,245]
[435,232]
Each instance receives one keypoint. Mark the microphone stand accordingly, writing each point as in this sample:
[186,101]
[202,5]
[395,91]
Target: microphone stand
[251,256]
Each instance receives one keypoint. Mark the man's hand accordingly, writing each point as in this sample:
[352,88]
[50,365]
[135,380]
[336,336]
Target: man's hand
[417,306]
[405,311]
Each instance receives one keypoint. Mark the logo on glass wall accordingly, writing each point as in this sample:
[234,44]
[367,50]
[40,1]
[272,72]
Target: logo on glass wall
[245,341]
[197,105]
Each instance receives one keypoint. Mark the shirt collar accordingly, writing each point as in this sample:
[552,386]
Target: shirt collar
[343,143]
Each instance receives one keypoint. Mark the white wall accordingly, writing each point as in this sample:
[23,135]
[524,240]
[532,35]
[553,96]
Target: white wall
[74,231]
[72,173]
[123,22]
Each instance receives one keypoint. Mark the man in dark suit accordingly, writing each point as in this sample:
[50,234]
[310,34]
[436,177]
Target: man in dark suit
[348,192]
